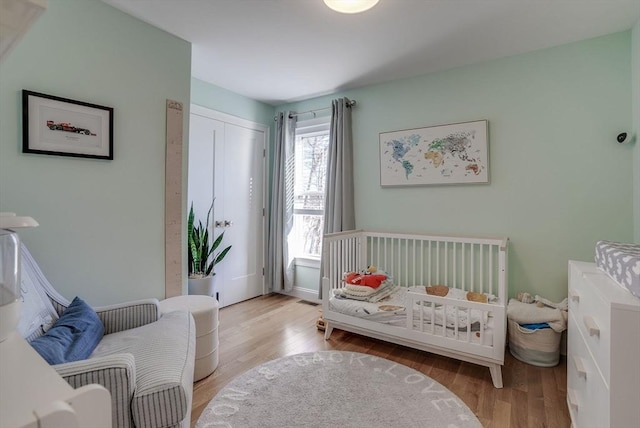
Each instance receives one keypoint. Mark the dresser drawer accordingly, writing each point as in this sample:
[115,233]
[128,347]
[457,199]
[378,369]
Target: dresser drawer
[587,393]
[592,315]
[603,350]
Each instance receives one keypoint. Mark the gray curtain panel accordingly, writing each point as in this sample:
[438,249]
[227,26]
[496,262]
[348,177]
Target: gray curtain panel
[280,267]
[339,207]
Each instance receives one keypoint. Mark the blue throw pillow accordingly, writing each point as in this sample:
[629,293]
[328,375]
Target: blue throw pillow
[73,337]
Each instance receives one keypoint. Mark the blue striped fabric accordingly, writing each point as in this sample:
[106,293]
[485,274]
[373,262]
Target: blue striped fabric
[165,357]
[116,372]
[123,316]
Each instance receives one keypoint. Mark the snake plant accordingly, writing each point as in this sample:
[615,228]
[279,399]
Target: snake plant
[202,255]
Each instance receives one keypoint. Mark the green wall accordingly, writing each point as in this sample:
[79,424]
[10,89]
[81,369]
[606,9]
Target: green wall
[101,233]
[216,98]
[559,181]
[635,84]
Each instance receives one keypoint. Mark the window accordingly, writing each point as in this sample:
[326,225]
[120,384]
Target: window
[311,149]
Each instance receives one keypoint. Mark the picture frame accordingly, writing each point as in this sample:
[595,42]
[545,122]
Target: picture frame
[62,127]
[455,153]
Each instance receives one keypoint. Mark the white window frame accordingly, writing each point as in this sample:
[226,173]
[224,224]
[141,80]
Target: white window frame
[310,128]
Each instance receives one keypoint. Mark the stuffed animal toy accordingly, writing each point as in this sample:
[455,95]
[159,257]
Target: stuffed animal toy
[366,278]
[437,290]
[525,297]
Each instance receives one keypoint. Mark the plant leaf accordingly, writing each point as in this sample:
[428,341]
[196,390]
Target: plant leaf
[217,242]
[221,255]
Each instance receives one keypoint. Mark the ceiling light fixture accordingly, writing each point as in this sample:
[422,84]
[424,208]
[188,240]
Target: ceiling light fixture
[350,6]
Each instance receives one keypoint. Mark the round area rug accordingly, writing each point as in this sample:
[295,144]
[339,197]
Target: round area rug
[335,389]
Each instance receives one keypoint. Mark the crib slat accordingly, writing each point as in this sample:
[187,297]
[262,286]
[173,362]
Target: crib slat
[386,260]
[432,317]
[455,265]
[456,327]
[422,281]
[492,289]
[406,261]
[429,282]
[399,262]
[464,268]
[472,278]
[446,263]
[436,278]
[481,268]
[395,261]
[345,255]
[332,266]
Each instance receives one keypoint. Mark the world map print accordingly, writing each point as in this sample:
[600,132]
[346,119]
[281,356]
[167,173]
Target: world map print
[447,154]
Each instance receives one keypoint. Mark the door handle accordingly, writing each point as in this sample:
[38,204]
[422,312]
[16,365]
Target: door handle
[228,223]
[219,223]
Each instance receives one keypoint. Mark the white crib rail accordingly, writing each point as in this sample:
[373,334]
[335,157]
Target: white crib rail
[425,320]
[463,262]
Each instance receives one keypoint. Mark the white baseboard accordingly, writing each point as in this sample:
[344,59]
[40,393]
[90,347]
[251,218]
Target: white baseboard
[303,293]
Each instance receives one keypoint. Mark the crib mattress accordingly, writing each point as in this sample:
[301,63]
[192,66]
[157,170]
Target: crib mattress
[392,311]
[621,262]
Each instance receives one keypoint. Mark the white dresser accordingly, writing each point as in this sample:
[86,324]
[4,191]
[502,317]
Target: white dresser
[603,355]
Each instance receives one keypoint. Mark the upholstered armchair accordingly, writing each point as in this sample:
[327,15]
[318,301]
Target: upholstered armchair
[145,360]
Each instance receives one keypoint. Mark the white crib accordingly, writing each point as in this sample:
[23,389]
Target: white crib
[465,263]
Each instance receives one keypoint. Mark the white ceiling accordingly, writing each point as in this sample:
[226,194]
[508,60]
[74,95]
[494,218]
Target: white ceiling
[279,51]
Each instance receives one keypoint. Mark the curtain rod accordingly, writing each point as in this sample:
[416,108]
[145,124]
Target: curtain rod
[291,115]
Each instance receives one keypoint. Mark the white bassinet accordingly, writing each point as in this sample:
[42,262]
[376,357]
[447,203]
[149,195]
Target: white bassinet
[453,327]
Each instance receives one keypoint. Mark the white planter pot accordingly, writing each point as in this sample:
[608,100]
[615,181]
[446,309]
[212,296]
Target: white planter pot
[201,286]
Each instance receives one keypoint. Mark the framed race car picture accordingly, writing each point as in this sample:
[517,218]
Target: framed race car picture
[63,127]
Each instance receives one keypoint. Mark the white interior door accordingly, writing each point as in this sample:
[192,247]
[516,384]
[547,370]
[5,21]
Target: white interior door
[203,132]
[239,184]
[226,162]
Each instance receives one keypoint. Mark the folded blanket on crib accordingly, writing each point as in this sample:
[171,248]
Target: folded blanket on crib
[362,290]
[365,285]
[529,313]
[386,292]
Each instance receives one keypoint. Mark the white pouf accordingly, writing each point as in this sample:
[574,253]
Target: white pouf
[205,314]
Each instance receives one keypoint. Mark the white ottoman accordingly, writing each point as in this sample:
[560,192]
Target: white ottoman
[205,314]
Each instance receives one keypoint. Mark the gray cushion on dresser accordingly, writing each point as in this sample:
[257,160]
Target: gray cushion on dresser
[621,262]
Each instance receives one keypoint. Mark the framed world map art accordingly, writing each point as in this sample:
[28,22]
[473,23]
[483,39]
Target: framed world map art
[446,154]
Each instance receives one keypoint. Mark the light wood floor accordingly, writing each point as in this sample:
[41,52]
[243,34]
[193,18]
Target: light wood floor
[275,326]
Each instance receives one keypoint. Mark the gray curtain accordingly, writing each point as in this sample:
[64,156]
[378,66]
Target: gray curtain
[280,267]
[339,208]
